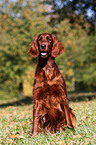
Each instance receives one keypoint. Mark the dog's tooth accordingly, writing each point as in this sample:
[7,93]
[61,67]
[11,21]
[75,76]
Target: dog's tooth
[43,53]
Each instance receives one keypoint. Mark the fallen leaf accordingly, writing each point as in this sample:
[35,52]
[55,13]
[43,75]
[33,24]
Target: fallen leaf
[77,136]
[28,122]
[13,136]
[60,142]
[21,137]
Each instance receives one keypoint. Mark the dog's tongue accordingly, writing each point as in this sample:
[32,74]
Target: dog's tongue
[43,53]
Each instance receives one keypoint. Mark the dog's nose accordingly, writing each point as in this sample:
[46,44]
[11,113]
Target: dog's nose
[43,46]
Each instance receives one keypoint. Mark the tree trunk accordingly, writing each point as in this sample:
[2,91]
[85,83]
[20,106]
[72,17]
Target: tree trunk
[21,92]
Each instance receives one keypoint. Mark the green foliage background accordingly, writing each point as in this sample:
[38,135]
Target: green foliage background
[21,21]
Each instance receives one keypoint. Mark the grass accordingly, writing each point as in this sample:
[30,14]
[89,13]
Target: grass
[16,123]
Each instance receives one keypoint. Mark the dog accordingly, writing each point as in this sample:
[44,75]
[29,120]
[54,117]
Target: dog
[51,111]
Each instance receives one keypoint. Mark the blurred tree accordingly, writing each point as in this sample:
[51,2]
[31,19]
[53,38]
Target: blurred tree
[79,59]
[20,22]
[69,37]
[85,64]
[73,9]
[72,22]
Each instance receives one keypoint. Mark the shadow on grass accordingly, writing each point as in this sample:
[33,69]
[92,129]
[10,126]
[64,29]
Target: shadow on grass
[73,97]
[77,97]
[20,102]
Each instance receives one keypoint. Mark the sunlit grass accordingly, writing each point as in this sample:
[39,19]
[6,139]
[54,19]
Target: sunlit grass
[16,123]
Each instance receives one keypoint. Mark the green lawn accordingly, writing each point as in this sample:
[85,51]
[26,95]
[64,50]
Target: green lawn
[16,123]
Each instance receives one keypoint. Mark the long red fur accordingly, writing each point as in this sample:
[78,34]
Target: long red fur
[51,110]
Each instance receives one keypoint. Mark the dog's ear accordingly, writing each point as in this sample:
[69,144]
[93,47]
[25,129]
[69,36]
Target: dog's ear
[57,48]
[33,51]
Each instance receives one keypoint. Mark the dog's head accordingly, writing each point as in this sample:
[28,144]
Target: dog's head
[45,45]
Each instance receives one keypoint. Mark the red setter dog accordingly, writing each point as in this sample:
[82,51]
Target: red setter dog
[51,111]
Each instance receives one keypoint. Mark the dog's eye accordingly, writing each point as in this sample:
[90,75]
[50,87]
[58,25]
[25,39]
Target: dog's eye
[49,39]
[40,39]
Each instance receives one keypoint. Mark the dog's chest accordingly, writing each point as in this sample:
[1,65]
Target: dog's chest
[48,72]
[47,77]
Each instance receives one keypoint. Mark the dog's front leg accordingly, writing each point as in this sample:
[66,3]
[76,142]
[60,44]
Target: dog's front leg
[35,118]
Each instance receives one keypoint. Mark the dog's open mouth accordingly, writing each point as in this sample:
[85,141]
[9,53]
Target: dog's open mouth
[43,53]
